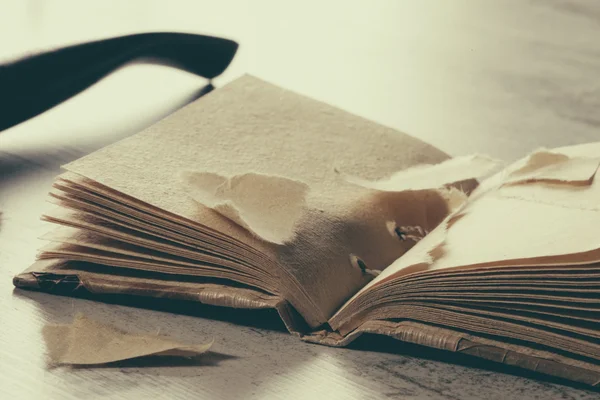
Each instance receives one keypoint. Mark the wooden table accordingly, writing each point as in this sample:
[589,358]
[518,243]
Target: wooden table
[496,77]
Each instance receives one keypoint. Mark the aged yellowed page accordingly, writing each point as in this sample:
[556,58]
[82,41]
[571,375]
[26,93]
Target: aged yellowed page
[535,218]
[88,342]
[545,215]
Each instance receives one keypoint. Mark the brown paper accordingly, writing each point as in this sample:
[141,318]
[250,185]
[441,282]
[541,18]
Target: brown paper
[554,167]
[251,126]
[87,342]
[266,205]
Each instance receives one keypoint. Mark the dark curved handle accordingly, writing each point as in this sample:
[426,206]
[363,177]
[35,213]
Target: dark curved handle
[37,83]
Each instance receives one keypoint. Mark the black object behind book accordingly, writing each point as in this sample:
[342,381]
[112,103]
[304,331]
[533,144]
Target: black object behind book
[34,84]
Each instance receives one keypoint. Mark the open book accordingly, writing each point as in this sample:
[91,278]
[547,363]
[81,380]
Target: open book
[256,197]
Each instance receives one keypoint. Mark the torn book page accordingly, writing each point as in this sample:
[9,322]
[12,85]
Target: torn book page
[530,224]
[266,205]
[87,342]
[554,167]
[422,177]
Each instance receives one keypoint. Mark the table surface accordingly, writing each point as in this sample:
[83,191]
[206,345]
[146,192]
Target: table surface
[495,77]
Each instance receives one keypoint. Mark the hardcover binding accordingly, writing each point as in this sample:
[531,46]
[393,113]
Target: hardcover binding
[48,278]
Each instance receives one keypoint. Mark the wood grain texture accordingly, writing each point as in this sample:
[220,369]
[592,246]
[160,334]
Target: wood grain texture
[496,77]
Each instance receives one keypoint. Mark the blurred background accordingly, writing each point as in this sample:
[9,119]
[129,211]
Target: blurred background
[460,75]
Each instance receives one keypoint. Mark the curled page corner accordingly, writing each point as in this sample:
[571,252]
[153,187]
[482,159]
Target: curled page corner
[88,342]
[427,176]
[268,206]
[554,167]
